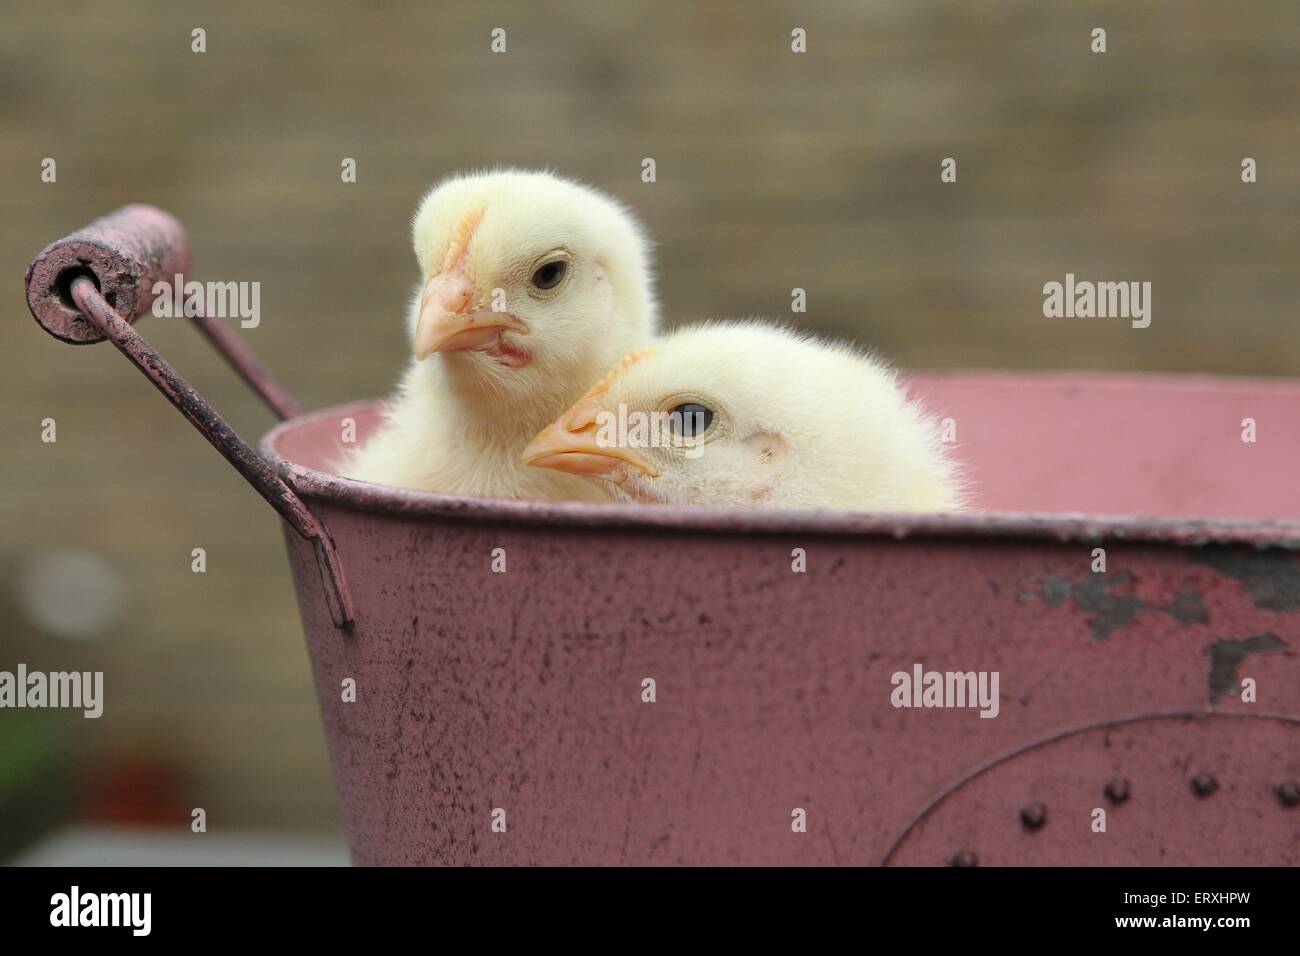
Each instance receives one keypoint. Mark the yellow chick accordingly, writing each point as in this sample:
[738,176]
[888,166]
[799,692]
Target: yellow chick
[744,414]
[532,286]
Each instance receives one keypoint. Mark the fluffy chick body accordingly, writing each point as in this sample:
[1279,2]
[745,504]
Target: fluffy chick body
[794,423]
[461,417]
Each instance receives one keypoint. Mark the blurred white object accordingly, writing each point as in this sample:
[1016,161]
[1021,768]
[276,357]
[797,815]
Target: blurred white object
[72,594]
[125,846]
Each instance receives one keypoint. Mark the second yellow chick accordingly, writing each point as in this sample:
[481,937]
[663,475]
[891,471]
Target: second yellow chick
[746,414]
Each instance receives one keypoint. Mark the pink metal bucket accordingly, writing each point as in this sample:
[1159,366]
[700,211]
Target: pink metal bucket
[703,686]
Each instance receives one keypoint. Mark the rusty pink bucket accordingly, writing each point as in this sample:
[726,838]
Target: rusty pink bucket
[657,685]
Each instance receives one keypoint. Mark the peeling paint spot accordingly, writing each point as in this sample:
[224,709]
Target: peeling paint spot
[1272,578]
[1226,655]
[1093,594]
[1056,589]
[1187,606]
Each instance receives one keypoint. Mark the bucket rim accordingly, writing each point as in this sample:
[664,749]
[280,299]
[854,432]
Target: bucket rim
[315,484]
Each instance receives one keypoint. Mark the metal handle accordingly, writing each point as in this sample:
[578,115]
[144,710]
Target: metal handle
[93,284]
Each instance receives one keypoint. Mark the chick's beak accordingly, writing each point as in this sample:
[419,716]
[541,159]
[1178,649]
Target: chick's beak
[450,323]
[449,319]
[572,444]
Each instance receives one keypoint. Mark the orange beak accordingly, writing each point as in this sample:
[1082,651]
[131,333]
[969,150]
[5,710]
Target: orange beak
[450,320]
[573,443]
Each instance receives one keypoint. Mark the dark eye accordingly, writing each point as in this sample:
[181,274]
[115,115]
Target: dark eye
[549,275]
[690,420]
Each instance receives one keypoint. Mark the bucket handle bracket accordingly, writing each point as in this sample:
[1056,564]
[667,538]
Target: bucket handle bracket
[93,284]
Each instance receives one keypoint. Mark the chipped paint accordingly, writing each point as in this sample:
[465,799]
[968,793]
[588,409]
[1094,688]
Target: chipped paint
[125,253]
[1187,606]
[1272,578]
[1227,655]
[1094,595]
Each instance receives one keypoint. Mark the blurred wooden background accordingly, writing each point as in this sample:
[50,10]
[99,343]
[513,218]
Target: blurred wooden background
[775,170]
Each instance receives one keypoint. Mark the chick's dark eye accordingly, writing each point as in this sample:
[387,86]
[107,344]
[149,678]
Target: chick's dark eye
[690,420]
[549,275]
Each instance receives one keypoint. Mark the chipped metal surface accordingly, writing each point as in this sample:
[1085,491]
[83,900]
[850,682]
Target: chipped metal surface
[126,252]
[1273,580]
[520,691]
[1103,599]
[1227,656]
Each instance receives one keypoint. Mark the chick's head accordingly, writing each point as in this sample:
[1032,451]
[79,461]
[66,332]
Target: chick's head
[745,414]
[527,279]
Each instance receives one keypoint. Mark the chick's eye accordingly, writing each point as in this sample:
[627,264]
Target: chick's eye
[690,420]
[549,275]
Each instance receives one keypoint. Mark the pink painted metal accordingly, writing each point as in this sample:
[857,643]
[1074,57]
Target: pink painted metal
[124,253]
[519,697]
[523,690]
[1211,775]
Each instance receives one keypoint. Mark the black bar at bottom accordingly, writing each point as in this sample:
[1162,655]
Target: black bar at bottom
[617,908]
